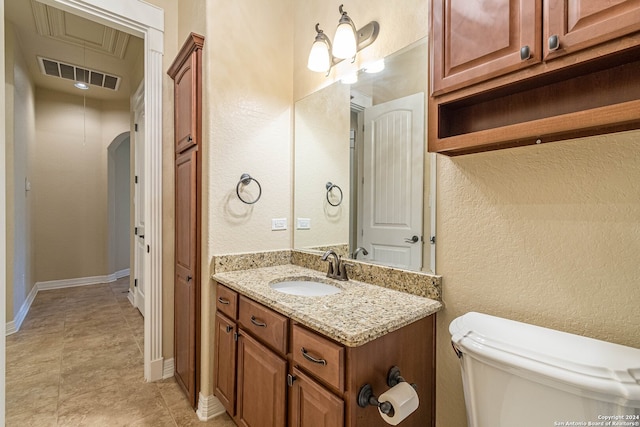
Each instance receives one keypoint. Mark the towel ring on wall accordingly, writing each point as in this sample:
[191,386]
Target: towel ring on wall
[330,187]
[245,179]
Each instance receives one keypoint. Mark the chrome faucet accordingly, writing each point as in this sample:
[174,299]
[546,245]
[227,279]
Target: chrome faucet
[357,251]
[337,268]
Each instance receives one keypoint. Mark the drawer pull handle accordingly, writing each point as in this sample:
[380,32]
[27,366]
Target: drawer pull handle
[311,358]
[223,301]
[258,323]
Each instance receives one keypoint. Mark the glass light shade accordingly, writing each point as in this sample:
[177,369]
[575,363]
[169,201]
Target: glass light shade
[344,42]
[350,78]
[374,67]
[319,58]
[81,85]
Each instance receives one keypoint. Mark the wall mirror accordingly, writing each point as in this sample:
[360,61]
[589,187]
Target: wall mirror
[364,182]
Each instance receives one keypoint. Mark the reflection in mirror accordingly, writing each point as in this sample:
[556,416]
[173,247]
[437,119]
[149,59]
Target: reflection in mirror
[368,140]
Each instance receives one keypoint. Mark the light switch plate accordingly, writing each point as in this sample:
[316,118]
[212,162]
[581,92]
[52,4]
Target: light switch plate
[278,224]
[304,224]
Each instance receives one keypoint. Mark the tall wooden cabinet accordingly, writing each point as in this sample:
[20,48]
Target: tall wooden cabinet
[514,72]
[186,72]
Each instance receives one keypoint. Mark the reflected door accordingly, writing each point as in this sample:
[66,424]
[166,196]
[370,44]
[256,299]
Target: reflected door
[138,200]
[392,184]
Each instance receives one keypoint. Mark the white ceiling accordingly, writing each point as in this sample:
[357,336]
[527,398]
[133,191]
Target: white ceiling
[48,32]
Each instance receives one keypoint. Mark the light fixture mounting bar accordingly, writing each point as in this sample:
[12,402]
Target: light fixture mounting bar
[367,34]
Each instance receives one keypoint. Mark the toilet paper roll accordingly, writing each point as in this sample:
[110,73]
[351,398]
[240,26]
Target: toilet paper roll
[404,400]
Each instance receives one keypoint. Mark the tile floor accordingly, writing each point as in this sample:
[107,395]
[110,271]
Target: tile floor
[77,361]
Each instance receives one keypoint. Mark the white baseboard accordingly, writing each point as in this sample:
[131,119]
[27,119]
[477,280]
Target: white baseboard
[81,281]
[14,325]
[131,298]
[168,369]
[209,407]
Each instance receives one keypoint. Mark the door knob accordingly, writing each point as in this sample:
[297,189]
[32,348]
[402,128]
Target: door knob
[414,239]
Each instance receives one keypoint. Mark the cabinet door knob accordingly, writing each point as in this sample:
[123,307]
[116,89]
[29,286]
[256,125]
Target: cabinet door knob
[229,328]
[311,358]
[525,53]
[554,42]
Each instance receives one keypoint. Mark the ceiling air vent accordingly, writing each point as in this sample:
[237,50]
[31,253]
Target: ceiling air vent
[54,68]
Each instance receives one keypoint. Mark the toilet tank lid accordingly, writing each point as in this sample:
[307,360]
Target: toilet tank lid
[576,360]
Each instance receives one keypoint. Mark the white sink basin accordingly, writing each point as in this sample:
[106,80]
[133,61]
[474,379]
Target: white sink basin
[306,288]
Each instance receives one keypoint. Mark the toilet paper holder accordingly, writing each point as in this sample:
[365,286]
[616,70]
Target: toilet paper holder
[366,396]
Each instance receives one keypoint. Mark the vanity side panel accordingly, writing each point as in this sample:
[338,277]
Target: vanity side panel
[411,348]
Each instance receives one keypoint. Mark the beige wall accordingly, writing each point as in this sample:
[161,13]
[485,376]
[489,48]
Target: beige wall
[70,183]
[20,134]
[548,235]
[247,119]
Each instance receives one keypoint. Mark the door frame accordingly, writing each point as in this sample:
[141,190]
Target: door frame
[146,21]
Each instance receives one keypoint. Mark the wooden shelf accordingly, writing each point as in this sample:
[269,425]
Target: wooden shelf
[590,98]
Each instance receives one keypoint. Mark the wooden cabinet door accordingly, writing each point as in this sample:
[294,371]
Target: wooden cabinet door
[579,24]
[476,41]
[261,385]
[185,106]
[185,306]
[311,405]
[224,362]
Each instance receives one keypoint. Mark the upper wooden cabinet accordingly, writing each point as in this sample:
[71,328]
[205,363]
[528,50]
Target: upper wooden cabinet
[472,44]
[186,74]
[506,73]
[571,25]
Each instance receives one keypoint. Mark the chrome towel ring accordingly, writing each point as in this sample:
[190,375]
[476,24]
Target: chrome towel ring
[330,186]
[245,179]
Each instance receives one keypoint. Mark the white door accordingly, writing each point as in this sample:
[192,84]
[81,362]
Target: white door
[392,184]
[139,247]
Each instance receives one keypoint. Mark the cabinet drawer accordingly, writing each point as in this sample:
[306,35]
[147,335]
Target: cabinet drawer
[318,356]
[227,301]
[264,324]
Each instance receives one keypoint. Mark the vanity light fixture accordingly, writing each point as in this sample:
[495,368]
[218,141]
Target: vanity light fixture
[346,43]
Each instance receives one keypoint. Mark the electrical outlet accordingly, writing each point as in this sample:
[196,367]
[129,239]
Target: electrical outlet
[304,224]
[279,224]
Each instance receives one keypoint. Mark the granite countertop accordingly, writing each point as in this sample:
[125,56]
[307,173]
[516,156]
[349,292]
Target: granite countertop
[353,317]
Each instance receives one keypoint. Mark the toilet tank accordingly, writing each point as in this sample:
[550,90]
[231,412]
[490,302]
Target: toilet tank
[516,374]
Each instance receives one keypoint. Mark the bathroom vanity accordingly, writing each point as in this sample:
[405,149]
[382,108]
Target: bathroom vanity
[282,359]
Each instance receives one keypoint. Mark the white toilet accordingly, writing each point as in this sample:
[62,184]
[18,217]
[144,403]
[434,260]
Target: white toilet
[516,374]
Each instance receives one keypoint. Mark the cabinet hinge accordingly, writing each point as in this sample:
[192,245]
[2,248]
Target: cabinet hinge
[235,336]
[290,379]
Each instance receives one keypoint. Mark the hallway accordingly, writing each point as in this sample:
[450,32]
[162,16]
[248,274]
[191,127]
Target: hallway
[78,361]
